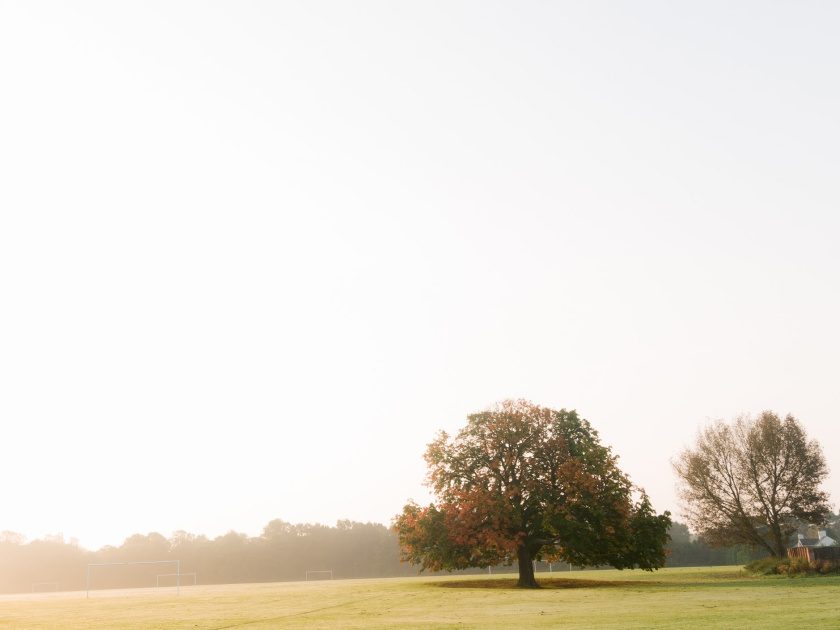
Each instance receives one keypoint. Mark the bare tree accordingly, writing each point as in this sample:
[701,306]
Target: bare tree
[752,482]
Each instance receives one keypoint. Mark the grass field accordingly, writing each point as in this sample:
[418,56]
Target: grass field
[708,598]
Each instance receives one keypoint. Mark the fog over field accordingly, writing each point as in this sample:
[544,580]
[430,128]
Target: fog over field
[254,255]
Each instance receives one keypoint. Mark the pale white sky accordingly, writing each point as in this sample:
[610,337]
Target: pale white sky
[253,255]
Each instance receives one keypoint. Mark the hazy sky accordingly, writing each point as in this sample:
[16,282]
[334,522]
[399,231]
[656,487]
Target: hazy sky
[253,255]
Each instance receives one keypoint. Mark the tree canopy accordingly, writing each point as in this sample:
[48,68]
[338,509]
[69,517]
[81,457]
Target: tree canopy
[528,482]
[753,482]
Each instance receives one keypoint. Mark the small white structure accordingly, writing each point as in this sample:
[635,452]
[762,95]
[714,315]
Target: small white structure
[820,540]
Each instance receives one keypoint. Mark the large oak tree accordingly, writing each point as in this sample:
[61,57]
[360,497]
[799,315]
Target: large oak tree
[753,482]
[526,482]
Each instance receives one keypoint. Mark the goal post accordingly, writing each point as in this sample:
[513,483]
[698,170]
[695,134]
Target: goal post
[326,575]
[177,564]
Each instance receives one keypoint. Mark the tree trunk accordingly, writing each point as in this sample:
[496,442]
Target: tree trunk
[778,541]
[526,568]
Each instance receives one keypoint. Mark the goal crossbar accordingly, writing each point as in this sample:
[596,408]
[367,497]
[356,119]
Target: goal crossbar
[177,564]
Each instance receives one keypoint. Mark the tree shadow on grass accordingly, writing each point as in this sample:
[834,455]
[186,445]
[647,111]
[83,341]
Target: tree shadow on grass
[546,583]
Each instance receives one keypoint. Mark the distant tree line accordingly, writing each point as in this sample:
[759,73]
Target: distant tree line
[283,552]
[687,550]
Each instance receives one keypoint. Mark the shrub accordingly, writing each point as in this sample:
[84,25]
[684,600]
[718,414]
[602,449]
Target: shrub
[767,566]
[799,566]
[780,566]
[792,566]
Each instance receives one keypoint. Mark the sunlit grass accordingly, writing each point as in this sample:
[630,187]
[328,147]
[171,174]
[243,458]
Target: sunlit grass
[707,598]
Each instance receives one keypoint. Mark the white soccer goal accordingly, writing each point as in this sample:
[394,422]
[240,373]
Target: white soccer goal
[44,587]
[319,575]
[176,575]
[177,564]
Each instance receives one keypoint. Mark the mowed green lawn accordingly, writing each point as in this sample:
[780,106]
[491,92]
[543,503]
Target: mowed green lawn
[705,598]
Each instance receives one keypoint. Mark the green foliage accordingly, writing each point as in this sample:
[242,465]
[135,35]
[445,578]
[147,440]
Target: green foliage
[425,541]
[647,536]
